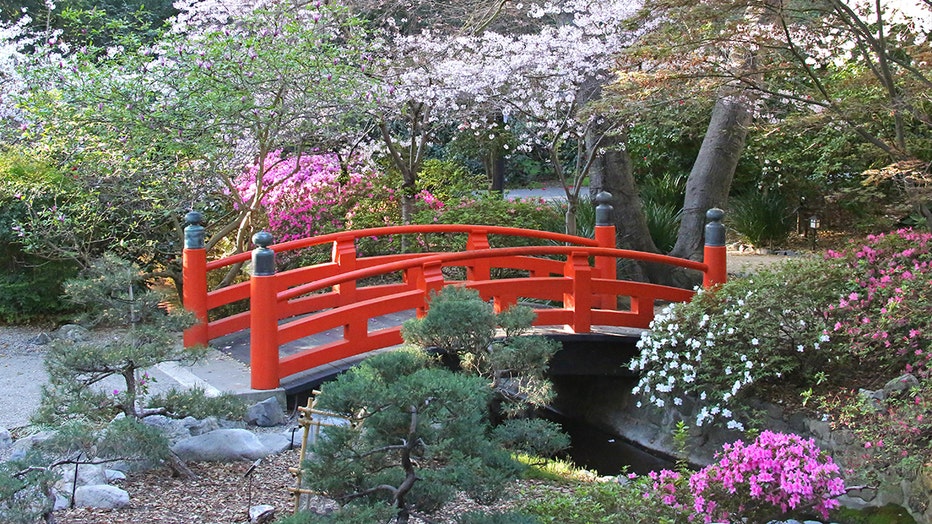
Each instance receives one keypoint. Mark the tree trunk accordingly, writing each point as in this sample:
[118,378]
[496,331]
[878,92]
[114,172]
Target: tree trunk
[612,171]
[710,179]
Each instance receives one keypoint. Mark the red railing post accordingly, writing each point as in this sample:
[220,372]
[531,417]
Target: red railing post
[194,279]
[479,269]
[263,326]
[344,256]
[714,253]
[607,267]
[430,280]
[580,299]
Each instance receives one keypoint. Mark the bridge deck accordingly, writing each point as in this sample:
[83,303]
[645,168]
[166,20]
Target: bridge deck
[235,348]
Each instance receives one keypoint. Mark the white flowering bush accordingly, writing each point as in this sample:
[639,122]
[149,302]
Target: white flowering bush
[749,334]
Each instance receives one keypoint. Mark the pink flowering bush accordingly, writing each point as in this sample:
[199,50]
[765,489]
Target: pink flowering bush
[306,195]
[777,476]
[886,323]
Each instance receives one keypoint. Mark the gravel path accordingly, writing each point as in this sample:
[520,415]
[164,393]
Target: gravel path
[22,374]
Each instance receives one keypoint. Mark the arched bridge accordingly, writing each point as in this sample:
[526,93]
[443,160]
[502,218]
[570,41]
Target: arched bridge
[575,276]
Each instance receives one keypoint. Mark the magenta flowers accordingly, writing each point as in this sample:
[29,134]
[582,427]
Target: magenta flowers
[775,475]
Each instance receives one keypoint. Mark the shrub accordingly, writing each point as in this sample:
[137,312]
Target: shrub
[763,218]
[776,476]
[415,436]
[462,325]
[30,286]
[604,502]
[746,336]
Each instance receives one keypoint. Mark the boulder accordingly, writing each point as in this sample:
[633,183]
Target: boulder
[6,440]
[222,445]
[71,333]
[266,413]
[261,514]
[900,384]
[275,442]
[101,496]
[87,475]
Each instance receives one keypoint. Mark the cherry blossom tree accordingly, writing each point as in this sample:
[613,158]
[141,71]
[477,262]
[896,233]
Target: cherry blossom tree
[539,79]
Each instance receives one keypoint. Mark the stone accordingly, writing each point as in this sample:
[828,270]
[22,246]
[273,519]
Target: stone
[900,384]
[199,427]
[266,413]
[261,514]
[173,429]
[41,339]
[88,475]
[101,496]
[222,445]
[71,333]
[114,475]
[25,444]
[275,443]
[6,439]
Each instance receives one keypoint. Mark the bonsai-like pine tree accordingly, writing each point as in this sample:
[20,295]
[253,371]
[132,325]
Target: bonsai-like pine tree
[415,436]
[460,324]
[98,388]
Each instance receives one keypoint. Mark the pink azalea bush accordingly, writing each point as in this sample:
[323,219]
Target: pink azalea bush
[776,476]
[886,320]
[306,195]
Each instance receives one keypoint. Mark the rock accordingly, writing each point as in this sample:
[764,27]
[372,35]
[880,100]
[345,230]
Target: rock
[199,427]
[61,502]
[114,475]
[222,445]
[900,384]
[261,514]
[173,429]
[88,475]
[266,413]
[6,440]
[275,443]
[101,496]
[41,339]
[71,333]
[25,444]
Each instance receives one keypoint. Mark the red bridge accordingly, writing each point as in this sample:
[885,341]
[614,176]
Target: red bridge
[576,274]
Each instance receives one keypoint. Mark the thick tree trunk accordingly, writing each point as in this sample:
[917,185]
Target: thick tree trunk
[711,176]
[612,171]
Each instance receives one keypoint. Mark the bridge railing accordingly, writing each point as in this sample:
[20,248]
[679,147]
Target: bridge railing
[577,276]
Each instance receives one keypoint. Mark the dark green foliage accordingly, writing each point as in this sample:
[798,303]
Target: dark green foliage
[30,286]
[535,437]
[763,218]
[662,197]
[508,517]
[349,514]
[459,323]
[194,403]
[416,435]
[447,180]
[26,490]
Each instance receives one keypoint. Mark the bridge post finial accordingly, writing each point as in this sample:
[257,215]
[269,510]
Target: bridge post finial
[194,279]
[194,230]
[263,258]
[604,209]
[714,254]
